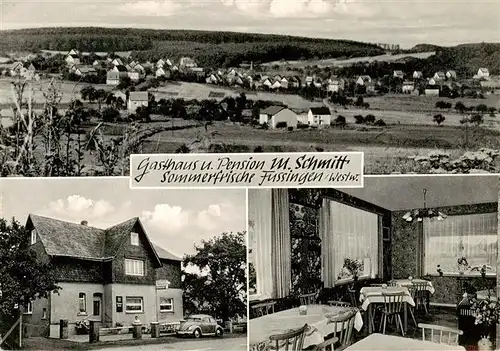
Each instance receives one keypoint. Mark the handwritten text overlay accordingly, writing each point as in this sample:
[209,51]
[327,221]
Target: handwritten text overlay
[325,169]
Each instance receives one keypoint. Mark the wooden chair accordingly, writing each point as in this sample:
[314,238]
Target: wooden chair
[376,285]
[392,283]
[308,299]
[421,295]
[264,308]
[393,305]
[343,325]
[446,335]
[294,338]
[328,344]
[351,291]
[412,290]
[339,303]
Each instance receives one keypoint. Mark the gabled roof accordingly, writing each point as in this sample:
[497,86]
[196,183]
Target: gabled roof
[272,110]
[323,110]
[166,255]
[121,68]
[138,96]
[484,70]
[66,239]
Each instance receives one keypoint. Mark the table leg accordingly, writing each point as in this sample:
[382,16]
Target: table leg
[406,316]
[370,318]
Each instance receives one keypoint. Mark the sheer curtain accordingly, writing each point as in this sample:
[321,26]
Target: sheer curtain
[270,241]
[348,232]
[472,236]
[282,267]
[260,214]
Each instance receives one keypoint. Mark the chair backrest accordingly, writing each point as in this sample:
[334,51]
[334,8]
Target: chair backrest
[264,308]
[308,299]
[420,289]
[392,283]
[376,285]
[412,291]
[440,334]
[339,303]
[463,307]
[343,326]
[290,341]
[326,345]
[393,302]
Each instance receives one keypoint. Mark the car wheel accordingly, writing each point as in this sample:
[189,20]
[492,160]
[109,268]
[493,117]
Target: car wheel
[218,332]
[197,333]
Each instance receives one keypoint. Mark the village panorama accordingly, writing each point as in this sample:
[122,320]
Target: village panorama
[73,105]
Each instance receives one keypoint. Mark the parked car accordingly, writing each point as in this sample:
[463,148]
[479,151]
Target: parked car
[198,325]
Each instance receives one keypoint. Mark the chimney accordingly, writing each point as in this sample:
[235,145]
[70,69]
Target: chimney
[84,223]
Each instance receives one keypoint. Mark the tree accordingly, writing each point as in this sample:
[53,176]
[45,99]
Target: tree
[222,290]
[23,276]
[481,108]
[110,114]
[439,118]
[369,119]
[476,119]
[89,93]
[460,107]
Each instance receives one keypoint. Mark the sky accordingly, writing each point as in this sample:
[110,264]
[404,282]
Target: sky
[404,22]
[174,219]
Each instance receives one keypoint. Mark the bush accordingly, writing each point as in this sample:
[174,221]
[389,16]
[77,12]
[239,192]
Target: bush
[290,129]
[281,125]
[340,120]
[370,119]
[380,123]
[302,126]
[443,105]
[439,118]
[359,119]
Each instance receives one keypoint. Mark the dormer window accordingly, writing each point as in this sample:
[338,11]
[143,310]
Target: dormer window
[134,239]
[33,236]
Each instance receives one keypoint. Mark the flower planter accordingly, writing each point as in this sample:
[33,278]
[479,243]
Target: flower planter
[485,344]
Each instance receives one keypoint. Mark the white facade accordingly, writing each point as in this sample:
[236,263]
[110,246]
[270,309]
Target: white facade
[318,120]
[286,115]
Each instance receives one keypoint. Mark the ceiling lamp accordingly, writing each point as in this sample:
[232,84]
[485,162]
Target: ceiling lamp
[419,215]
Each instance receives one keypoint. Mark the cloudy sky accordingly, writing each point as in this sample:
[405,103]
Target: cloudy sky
[174,219]
[405,22]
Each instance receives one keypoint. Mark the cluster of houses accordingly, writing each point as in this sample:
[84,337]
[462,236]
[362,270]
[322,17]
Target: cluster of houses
[19,69]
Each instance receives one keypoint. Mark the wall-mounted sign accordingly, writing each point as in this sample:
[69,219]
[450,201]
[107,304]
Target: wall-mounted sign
[119,304]
[162,284]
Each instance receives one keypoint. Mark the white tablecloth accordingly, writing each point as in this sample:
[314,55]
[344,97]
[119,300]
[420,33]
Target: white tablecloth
[378,342]
[261,328]
[407,282]
[373,294]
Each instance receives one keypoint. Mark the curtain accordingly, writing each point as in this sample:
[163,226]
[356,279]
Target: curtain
[348,232]
[281,243]
[471,236]
[327,249]
[260,215]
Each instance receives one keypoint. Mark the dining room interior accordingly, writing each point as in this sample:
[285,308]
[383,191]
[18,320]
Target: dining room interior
[404,263]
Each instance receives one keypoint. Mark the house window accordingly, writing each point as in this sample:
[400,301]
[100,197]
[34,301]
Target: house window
[134,267]
[29,308]
[134,239]
[82,303]
[134,304]
[44,313]
[166,304]
[471,236]
[33,236]
[348,233]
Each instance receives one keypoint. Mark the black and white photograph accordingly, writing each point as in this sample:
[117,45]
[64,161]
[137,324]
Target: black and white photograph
[405,263]
[413,84]
[88,263]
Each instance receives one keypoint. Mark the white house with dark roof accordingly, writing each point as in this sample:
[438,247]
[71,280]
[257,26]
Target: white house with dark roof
[417,75]
[112,78]
[275,116]
[319,116]
[483,73]
[106,275]
[137,99]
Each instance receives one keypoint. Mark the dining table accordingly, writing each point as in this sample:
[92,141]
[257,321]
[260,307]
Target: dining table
[409,282]
[378,342]
[316,317]
[373,295]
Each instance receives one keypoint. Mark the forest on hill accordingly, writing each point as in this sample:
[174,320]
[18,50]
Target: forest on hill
[209,48]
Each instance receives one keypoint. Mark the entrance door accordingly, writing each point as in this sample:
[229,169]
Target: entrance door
[97,307]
